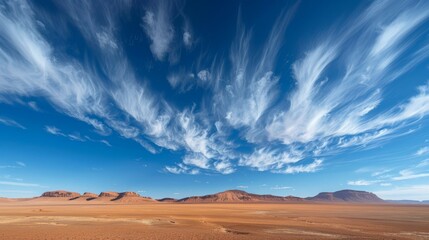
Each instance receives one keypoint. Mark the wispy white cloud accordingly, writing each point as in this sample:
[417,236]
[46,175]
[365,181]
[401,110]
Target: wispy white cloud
[73,136]
[204,75]
[187,38]
[280,188]
[10,123]
[422,151]
[362,182]
[76,137]
[195,137]
[141,115]
[105,142]
[55,131]
[157,25]
[393,33]
[10,178]
[265,159]
[416,107]
[125,129]
[308,168]
[15,191]
[418,170]
[423,163]
[21,164]
[385,177]
[146,145]
[153,116]
[242,187]
[252,86]
[344,107]
[105,40]
[16,165]
[188,35]
[197,160]
[182,169]
[363,139]
[410,174]
[183,81]
[21,184]
[29,69]
[379,173]
[33,105]
[224,167]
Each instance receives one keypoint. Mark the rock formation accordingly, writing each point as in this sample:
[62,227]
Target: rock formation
[60,193]
[109,194]
[347,196]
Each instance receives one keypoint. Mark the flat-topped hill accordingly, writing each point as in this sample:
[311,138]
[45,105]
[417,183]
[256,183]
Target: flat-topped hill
[346,196]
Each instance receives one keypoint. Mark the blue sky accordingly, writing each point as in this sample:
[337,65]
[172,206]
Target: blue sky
[178,98]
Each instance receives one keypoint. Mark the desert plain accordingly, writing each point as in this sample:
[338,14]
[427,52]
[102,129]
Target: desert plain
[71,220]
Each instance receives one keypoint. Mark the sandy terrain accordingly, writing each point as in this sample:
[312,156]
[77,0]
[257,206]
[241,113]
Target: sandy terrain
[59,220]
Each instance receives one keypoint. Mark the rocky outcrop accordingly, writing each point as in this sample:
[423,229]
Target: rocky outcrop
[89,195]
[124,195]
[60,193]
[109,194]
[131,198]
[129,194]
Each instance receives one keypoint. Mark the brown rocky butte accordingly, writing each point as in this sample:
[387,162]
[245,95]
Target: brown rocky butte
[89,195]
[109,194]
[60,193]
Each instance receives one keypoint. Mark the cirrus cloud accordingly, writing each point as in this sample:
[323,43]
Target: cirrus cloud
[245,116]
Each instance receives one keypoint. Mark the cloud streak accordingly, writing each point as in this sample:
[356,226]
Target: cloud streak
[280,188]
[16,165]
[409,174]
[10,123]
[422,151]
[21,184]
[73,136]
[362,182]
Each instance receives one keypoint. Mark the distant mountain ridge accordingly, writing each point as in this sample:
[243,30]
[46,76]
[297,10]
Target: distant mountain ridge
[229,196]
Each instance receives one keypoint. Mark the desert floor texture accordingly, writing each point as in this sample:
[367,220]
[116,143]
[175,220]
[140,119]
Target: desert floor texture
[57,220]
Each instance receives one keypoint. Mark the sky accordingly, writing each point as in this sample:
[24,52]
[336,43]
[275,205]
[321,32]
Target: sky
[179,98]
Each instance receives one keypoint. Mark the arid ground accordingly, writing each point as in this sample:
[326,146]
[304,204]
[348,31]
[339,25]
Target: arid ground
[58,220]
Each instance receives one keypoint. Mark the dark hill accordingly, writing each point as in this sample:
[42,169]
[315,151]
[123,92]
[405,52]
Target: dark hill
[346,196]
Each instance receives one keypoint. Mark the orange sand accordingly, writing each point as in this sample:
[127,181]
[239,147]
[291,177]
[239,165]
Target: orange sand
[62,220]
